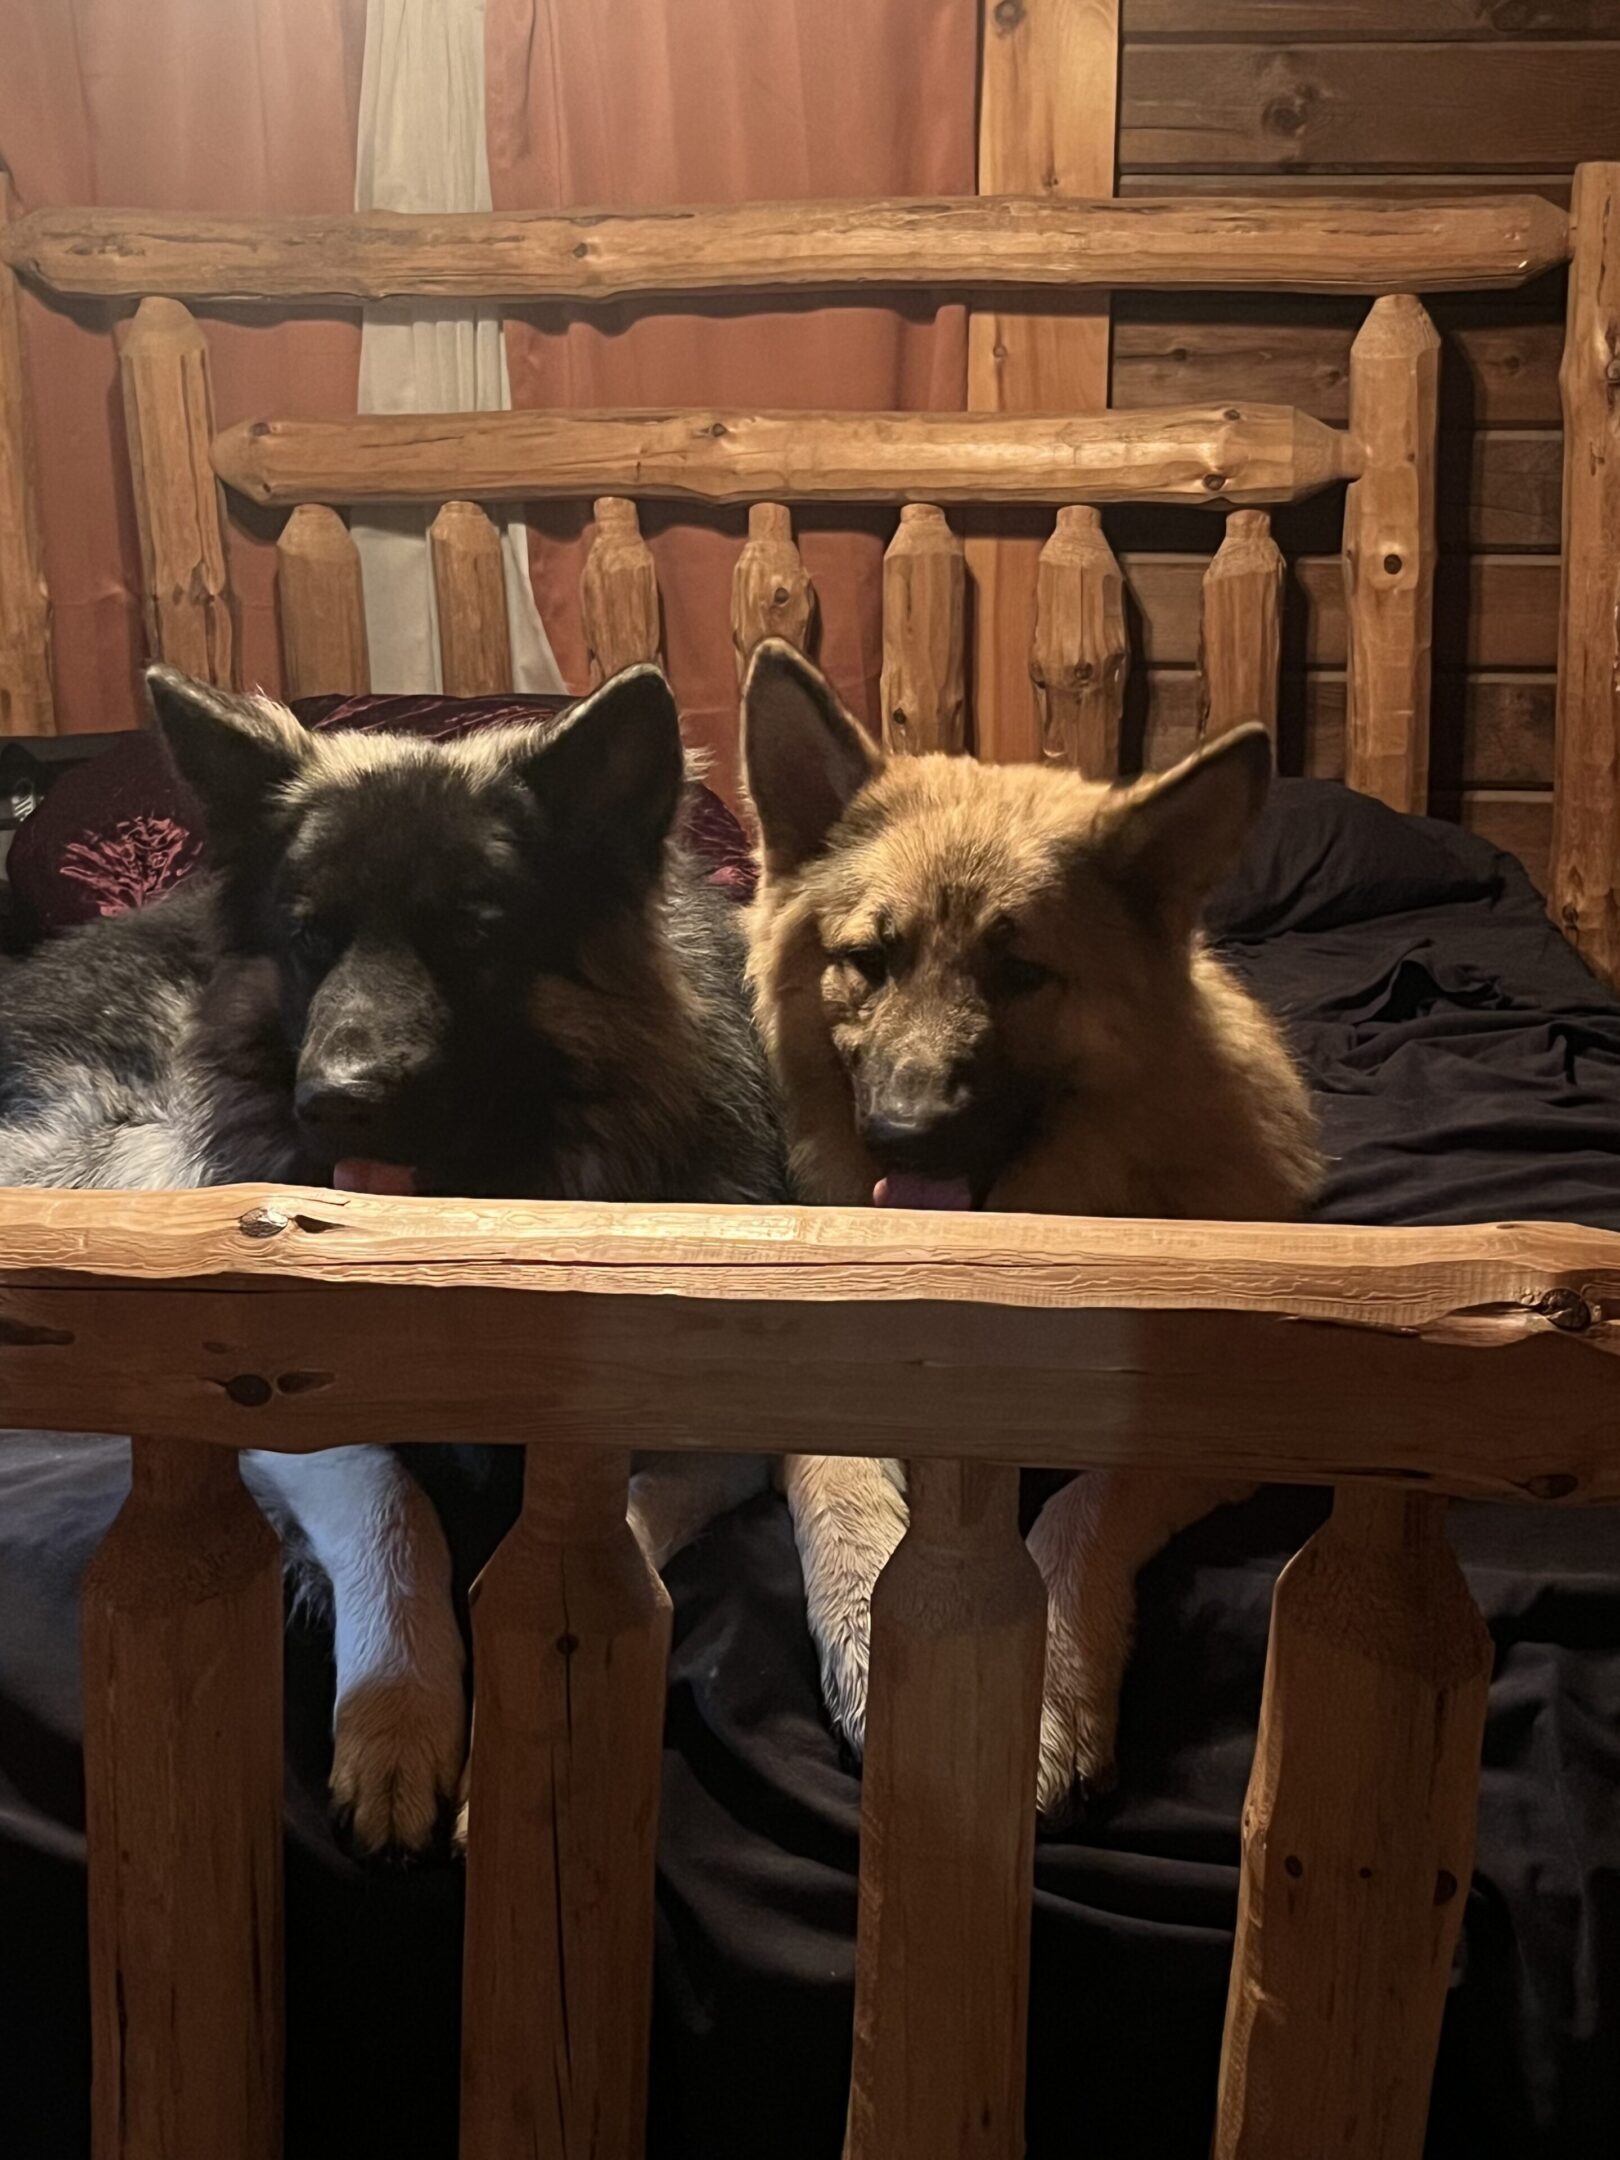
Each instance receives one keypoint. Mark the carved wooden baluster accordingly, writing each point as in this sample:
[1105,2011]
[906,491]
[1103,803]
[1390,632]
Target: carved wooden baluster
[948,1828]
[469,586]
[169,422]
[771,593]
[570,1646]
[1585,881]
[1389,552]
[322,606]
[924,602]
[618,592]
[1358,1839]
[1240,635]
[183,1781]
[1081,653]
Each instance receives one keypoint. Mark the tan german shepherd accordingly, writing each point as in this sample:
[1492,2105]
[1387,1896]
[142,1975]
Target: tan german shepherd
[984,986]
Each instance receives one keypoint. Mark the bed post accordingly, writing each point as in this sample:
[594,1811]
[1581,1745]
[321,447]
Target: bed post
[183,1799]
[618,592]
[469,591]
[1389,552]
[771,593]
[570,1645]
[169,422]
[1585,878]
[1048,105]
[1358,1839]
[322,606]
[948,1828]
[26,706]
[1240,629]
[1080,656]
[923,694]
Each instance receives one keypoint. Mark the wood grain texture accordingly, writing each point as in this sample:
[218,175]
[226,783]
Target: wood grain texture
[570,1648]
[27,705]
[1358,1840]
[1585,890]
[1390,552]
[1491,731]
[1500,368]
[1491,611]
[1233,453]
[1080,655]
[1042,220]
[1284,186]
[948,1830]
[1409,108]
[321,605]
[169,424]
[618,593]
[1240,650]
[1048,108]
[782,1331]
[771,593]
[183,1778]
[1297,22]
[469,592]
[923,693]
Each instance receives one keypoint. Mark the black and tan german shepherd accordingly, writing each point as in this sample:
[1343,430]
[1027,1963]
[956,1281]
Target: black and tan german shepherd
[484,967]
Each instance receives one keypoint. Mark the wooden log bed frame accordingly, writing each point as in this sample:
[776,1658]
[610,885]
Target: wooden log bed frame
[209,1322]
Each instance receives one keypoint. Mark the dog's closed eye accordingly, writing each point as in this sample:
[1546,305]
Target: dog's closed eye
[1011,975]
[869,961]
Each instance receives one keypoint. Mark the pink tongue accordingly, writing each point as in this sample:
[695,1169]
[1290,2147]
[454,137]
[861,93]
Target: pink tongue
[355,1174]
[944,1194]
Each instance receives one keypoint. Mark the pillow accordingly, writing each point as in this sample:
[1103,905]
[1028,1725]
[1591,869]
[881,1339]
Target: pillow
[1322,856]
[121,829]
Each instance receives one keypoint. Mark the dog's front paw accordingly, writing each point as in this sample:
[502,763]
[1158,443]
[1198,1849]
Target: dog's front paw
[846,1659]
[397,1752]
[1079,1722]
[1088,1633]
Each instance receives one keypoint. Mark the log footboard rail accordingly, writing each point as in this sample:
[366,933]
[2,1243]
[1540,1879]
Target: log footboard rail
[1399,1366]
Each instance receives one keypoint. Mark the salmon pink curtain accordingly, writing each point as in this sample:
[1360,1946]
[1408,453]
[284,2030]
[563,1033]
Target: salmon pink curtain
[225,105]
[649,102]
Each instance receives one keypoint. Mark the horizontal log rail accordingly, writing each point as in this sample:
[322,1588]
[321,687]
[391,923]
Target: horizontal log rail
[1195,454]
[1477,1360]
[1318,244]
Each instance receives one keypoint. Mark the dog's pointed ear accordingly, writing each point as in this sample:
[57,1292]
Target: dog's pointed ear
[610,776]
[1175,836]
[804,757]
[232,751]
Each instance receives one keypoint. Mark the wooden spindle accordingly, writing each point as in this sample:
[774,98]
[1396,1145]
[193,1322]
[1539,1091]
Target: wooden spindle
[26,705]
[1358,1839]
[1081,653]
[570,1647]
[924,605]
[322,605]
[1240,632]
[948,1827]
[1585,880]
[183,1780]
[469,586]
[1389,552]
[771,593]
[169,423]
[618,592]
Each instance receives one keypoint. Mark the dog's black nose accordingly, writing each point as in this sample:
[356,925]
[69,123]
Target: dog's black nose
[896,1132]
[349,1104]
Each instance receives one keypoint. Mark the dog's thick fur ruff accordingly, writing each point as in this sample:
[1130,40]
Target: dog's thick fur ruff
[994,975]
[546,1000]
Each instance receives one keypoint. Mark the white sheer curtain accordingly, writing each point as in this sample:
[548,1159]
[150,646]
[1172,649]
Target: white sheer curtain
[423,147]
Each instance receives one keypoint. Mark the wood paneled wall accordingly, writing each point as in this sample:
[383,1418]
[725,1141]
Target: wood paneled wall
[1391,96]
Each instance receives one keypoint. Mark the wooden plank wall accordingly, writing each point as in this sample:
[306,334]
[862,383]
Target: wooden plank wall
[1394,97]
